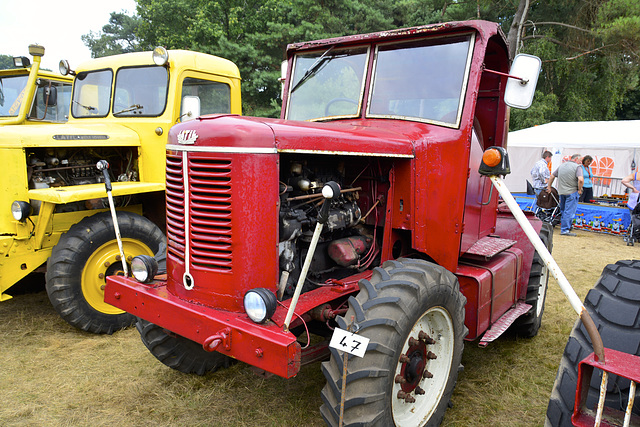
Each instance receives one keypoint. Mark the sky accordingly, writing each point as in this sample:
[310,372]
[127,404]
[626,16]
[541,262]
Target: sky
[56,26]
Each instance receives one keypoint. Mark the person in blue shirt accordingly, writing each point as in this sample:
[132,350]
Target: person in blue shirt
[587,174]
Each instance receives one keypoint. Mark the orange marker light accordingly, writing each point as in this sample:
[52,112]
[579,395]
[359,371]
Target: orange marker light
[492,157]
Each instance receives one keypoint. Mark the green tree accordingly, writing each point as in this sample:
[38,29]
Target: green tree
[118,36]
[6,62]
[590,57]
[588,66]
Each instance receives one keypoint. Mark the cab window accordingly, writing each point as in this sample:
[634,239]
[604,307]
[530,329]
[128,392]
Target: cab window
[12,90]
[422,80]
[141,91]
[214,97]
[92,94]
[51,102]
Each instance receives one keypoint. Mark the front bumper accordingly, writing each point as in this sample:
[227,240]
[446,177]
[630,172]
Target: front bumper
[265,346]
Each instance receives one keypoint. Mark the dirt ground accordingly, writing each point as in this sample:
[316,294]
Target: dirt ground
[53,375]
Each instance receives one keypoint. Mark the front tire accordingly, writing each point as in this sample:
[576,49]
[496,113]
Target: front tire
[85,256]
[413,313]
[178,352]
[613,304]
[529,324]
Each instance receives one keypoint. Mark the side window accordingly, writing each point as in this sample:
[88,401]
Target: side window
[214,97]
[51,102]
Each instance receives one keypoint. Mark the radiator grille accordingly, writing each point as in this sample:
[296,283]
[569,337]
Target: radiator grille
[209,227]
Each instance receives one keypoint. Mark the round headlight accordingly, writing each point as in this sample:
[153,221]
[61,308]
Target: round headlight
[260,304]
[160,56]
[20,210]
[63,67]
[144,268]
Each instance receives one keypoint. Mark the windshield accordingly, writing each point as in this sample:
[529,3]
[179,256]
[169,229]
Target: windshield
[12,92]
[91,94]
[141,91]
[327,84]
[422,80]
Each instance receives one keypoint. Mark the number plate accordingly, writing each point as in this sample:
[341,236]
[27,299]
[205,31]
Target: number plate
[348,342]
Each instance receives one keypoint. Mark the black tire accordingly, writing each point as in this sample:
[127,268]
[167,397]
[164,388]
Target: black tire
[402,298]
[84,256]
[528,325]
[614,306]
[178,352]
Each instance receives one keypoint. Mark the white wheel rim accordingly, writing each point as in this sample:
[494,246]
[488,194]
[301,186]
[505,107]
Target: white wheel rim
[542,290]
[437,323]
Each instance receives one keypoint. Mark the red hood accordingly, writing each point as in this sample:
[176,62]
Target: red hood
[371,137]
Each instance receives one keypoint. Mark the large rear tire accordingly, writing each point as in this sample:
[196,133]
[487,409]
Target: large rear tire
[614,305]
[178,352]
[529,324]
[413,313]
[85,256]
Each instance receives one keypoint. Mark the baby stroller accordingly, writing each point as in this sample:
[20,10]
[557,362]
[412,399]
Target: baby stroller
[548,210]
[633,233]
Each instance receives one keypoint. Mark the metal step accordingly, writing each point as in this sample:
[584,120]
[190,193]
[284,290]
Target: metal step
[503,323]
[487,247]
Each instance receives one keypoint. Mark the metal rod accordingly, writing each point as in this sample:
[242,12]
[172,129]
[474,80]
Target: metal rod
[117,229]
[632,396]
[319,195]
[103,166]
[284,277]
[345,358]
[603,394]
[506,75]
[369,211]
[565,286]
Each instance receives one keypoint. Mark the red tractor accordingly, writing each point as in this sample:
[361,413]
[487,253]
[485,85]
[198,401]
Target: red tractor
[361,228]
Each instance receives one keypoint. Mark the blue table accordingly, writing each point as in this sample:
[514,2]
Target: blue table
[589,216]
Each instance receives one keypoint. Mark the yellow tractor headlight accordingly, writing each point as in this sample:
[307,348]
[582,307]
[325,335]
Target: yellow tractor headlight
[21,210]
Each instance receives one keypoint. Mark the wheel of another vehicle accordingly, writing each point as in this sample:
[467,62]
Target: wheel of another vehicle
[529,324]
[628,236]
[413,313]
[85,256]
[614,306]
[178,352]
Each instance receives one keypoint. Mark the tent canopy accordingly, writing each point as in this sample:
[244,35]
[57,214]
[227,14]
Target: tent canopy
[612,145]
[594,135]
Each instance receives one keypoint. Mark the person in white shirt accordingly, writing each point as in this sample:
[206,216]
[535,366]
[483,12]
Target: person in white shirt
[540,174]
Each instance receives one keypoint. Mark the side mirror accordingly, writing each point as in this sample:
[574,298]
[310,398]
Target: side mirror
[50,96]
[519,91]
[283,77]
[190,108]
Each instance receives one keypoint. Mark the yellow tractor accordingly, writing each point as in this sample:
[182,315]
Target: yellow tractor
[29,95]
[54,214]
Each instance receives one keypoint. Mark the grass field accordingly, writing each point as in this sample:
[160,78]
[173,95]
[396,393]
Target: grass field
[53,375]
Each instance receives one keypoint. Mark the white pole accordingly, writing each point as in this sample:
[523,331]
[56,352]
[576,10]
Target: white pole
[303,273]
[117,229]
[553,267]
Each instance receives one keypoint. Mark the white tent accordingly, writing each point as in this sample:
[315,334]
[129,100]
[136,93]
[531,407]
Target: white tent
[613,145]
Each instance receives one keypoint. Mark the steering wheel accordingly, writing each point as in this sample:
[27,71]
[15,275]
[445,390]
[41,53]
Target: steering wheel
[334,100]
